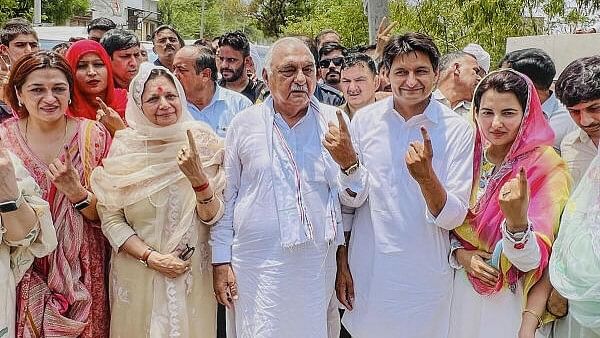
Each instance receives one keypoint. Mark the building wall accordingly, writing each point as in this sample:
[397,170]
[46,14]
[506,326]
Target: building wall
[140,16]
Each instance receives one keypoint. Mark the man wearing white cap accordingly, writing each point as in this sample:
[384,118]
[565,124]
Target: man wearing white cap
[483,57]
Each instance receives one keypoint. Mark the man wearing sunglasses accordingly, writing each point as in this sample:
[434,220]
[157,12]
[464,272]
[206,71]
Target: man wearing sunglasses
[331,58]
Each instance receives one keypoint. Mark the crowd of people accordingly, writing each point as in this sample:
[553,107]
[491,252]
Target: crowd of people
[373,191]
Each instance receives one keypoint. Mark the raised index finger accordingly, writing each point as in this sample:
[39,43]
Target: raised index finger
[523,181]
[68,161]
[191,141]
[426,140]
[103,105]
[342,123]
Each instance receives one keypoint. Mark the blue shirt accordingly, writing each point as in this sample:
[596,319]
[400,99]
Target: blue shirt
[222,108]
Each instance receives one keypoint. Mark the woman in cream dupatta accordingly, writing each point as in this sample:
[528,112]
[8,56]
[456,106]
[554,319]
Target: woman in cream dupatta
[150,214]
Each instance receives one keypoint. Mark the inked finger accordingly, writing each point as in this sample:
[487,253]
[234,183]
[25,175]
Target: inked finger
[341,121]
[68,159]
[426,140]
[191,142]
[523,184]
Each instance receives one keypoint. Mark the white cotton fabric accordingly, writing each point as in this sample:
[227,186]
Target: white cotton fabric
[283,291]
[141,191]
[575,260]
[398,251]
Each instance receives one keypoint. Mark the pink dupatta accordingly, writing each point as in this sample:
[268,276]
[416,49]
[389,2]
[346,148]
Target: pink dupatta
[65,294]
[549,184]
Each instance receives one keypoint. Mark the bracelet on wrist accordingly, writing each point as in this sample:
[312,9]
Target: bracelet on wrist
[538,317]
[201,187]
[146,255]
[207,200]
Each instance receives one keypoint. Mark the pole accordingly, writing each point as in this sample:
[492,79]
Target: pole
[203,2]
[37,12]
[376,10]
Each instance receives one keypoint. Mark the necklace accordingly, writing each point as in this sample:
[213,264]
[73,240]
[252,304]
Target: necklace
[63,138]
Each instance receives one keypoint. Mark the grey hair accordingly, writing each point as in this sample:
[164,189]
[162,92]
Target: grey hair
[448,59]
[287,41]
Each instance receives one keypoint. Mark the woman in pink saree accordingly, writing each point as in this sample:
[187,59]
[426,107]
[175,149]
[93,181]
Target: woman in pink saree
[65,293]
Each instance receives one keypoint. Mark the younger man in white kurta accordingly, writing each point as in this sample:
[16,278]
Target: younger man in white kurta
[398,252]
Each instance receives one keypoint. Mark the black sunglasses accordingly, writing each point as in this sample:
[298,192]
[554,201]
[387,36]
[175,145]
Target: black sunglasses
[338,61]
[187,253]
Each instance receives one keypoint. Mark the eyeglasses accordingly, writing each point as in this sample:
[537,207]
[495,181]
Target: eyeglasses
[187,253]
[338,61]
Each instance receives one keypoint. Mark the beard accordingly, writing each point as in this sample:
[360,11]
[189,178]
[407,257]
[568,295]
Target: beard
[236,75]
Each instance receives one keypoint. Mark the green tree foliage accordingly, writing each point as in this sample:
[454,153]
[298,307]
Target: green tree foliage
[220,16]
[56,12]
[487,22]
[345,16]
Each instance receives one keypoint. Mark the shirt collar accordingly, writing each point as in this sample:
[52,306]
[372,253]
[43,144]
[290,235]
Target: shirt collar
[431,112]
[551,105]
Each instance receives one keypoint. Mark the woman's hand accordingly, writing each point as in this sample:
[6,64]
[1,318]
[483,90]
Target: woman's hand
[474,263]
[8,180]
[514,202]
[224,285]
[66,178]
[109,118]
[190,164]
[169,265]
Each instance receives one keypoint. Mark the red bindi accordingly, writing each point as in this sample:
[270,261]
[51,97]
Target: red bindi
[160,89]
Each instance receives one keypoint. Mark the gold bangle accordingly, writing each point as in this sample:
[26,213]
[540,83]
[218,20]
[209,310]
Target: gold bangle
[540,322]
[208,200]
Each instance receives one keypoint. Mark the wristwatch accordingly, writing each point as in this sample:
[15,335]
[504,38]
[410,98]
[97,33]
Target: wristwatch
[85,203]
[351,169]
[9,206]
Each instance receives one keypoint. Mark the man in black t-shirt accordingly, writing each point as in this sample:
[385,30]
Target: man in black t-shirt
[234,57]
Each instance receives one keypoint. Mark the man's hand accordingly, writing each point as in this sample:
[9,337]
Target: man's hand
[109,118]
[8,181]
[339,143]
[514,202]
[383,36]
[419,159]
[474,263]
[224,285]
[190,164]
[66,178]
[169,265]
[344,285]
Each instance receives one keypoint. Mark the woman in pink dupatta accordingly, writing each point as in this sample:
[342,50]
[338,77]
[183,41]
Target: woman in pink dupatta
[520,188]
[65,293]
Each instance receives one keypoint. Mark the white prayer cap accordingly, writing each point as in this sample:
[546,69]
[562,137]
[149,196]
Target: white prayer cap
[483,57]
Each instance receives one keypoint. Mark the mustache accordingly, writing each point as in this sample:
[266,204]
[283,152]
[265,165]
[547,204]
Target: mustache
[591,126]
[299,88]
[332,71]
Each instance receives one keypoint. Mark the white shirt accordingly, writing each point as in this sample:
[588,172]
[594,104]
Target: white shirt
[559,118]
[578,150]
[398,251]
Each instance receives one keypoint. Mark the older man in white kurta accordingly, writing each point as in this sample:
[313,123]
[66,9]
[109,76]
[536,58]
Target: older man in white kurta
[282,223]
[409,194]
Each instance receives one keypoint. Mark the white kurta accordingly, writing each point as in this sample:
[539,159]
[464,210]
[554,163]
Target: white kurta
[499,315]
[283,292]
[398,251]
